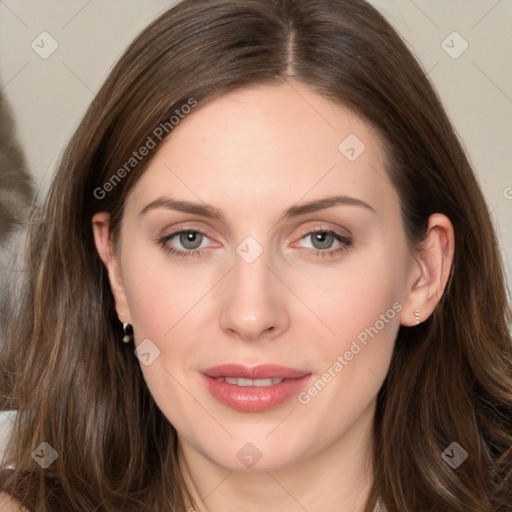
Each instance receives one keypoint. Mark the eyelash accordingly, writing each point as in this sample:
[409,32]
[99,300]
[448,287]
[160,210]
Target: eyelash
[345,243]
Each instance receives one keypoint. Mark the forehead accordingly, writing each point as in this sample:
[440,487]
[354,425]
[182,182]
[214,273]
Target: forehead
[269,145]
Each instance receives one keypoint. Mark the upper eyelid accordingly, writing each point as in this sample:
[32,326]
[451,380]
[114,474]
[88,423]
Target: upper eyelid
[322,229]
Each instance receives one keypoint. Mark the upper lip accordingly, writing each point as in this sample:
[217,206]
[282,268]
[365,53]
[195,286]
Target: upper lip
[260,371]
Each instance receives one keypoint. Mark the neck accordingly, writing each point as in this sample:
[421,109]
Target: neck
[338,478]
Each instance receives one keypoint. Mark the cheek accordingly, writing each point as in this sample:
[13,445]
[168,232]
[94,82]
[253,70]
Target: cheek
[162,291]
[360,310]
[168,304]
[359,306]
[364,290]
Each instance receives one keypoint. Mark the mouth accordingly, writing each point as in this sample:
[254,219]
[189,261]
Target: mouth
[256,388]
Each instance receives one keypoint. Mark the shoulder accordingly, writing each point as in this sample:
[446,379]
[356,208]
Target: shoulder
[8,504]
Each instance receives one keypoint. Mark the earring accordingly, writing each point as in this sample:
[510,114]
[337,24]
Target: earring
[417,315]
[128,333]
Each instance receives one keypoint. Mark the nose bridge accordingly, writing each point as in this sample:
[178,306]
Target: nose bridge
[252,300]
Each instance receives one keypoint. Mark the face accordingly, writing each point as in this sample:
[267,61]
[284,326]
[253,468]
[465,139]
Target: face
[261,272]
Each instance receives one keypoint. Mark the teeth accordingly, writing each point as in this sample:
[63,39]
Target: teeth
[250,382]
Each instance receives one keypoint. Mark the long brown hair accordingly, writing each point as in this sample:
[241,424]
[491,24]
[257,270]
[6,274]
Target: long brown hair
[80,389]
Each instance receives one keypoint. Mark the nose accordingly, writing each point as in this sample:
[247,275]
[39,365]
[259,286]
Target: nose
[253,300]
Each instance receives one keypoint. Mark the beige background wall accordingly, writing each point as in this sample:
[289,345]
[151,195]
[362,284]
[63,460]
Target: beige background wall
[50,95]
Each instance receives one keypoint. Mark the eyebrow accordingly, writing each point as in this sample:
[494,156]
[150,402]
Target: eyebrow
[297,210]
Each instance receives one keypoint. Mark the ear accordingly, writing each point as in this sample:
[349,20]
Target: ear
[430,271]
[105,248]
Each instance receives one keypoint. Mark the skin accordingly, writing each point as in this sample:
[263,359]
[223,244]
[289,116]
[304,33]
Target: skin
[252,154]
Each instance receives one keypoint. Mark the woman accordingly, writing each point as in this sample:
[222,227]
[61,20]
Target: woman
[267,203]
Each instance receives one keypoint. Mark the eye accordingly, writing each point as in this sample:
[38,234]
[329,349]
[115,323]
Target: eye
[323,239]
[189,239]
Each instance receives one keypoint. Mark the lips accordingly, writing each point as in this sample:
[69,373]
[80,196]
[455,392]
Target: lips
[254,388]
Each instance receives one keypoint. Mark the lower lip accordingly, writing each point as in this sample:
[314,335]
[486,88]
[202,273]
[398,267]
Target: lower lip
[252,398]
